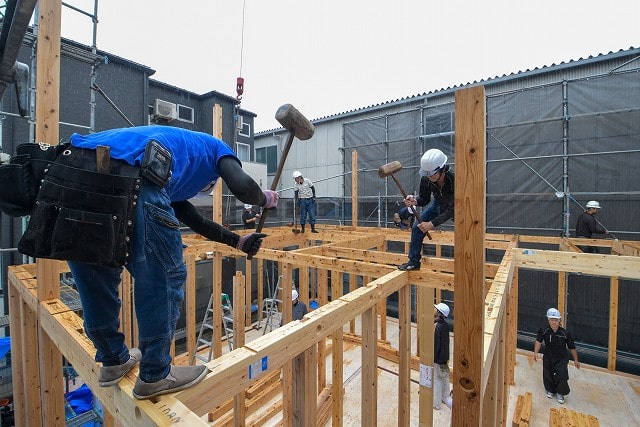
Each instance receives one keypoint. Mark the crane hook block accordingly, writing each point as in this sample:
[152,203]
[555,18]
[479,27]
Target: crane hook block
[239,88]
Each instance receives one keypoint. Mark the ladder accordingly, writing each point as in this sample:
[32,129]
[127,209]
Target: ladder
[227,324]
[270,308]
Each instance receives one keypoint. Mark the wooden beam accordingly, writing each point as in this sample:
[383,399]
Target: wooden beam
[469,253]
[229,372]
[627,267]
[239,307]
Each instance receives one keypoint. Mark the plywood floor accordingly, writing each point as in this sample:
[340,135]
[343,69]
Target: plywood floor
[614,399]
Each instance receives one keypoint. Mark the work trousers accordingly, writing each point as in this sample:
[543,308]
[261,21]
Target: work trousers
[155,261]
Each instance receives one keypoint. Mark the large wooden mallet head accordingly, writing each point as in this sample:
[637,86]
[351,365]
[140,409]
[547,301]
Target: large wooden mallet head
[292,120]
[389,169]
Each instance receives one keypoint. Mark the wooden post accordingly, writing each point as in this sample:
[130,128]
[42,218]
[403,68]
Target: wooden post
[613,323]
[512,329]
[260,289]
[369,402]
[287,368]
[190,307]
[337,357]
[469,252]
[354,188]
[216,263]
[353,284]
[323,299]
[126,317]
[247,292]
[425,332]
[562,291]
[305,391]
[17,366]
[404,350]
[239,307]
[51,386]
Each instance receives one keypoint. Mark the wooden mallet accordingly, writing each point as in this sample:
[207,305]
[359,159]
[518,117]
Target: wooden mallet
[388,170]
[298,126]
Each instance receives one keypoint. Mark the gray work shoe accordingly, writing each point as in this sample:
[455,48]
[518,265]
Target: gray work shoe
[179,378]
[111,375]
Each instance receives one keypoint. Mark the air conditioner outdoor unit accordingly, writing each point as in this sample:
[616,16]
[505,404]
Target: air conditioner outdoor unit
[165,110]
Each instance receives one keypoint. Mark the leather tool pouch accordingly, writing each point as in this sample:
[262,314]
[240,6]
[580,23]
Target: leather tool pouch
[156,164]
[20,180]
[83,215]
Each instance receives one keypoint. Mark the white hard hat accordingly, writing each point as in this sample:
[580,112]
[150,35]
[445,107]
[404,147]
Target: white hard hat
[294,295]
[248,206]
[442,308]
[553,313]
[432,161]
[297,174]
[593,204]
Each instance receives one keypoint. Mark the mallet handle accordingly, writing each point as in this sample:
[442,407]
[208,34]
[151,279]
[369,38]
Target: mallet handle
[404,193]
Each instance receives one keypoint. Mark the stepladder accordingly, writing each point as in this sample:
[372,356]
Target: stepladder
[207,329]
[271,308]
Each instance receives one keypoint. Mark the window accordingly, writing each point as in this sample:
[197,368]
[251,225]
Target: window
[244,128]
[243,151]
[185,114]
[268,156]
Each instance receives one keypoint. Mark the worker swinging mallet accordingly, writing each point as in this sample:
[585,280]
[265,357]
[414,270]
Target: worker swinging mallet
[388,170]
[298,126]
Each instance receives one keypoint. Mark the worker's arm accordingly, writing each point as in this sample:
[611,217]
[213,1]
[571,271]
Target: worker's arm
[536,348]
[240,184]
[188,214]
[574,354]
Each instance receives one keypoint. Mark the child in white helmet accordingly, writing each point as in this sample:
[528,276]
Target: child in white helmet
[557,340]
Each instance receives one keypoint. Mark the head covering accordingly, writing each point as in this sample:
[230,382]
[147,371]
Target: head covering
[553,313]
[248,206]
[442,308]
[294,295]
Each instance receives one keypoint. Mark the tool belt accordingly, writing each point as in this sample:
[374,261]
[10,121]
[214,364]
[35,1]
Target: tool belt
[81,214]
[21,178]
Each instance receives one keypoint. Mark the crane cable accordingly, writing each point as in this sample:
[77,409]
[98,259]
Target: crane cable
[240,79]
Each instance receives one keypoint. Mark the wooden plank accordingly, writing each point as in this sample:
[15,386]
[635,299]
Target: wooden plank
[525,415]
[229,372]
[613,323]
[515,421]
[369,399]
[469,253]
[554,417]
[592,264]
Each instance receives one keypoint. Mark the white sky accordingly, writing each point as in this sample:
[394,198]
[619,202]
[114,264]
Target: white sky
[330,56]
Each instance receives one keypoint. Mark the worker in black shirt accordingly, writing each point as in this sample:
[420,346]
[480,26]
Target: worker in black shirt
[441,356]
[249,217]
[557,340]
[587,226]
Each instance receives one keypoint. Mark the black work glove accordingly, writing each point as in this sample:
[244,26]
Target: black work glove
[250,243]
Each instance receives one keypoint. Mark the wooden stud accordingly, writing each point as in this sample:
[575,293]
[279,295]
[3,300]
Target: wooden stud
[239,308]
[425,332]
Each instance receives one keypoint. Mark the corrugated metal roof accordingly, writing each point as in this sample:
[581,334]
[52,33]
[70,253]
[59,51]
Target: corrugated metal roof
[590,66]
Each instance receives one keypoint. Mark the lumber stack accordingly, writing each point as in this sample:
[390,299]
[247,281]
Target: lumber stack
[565,417]
[522,413]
